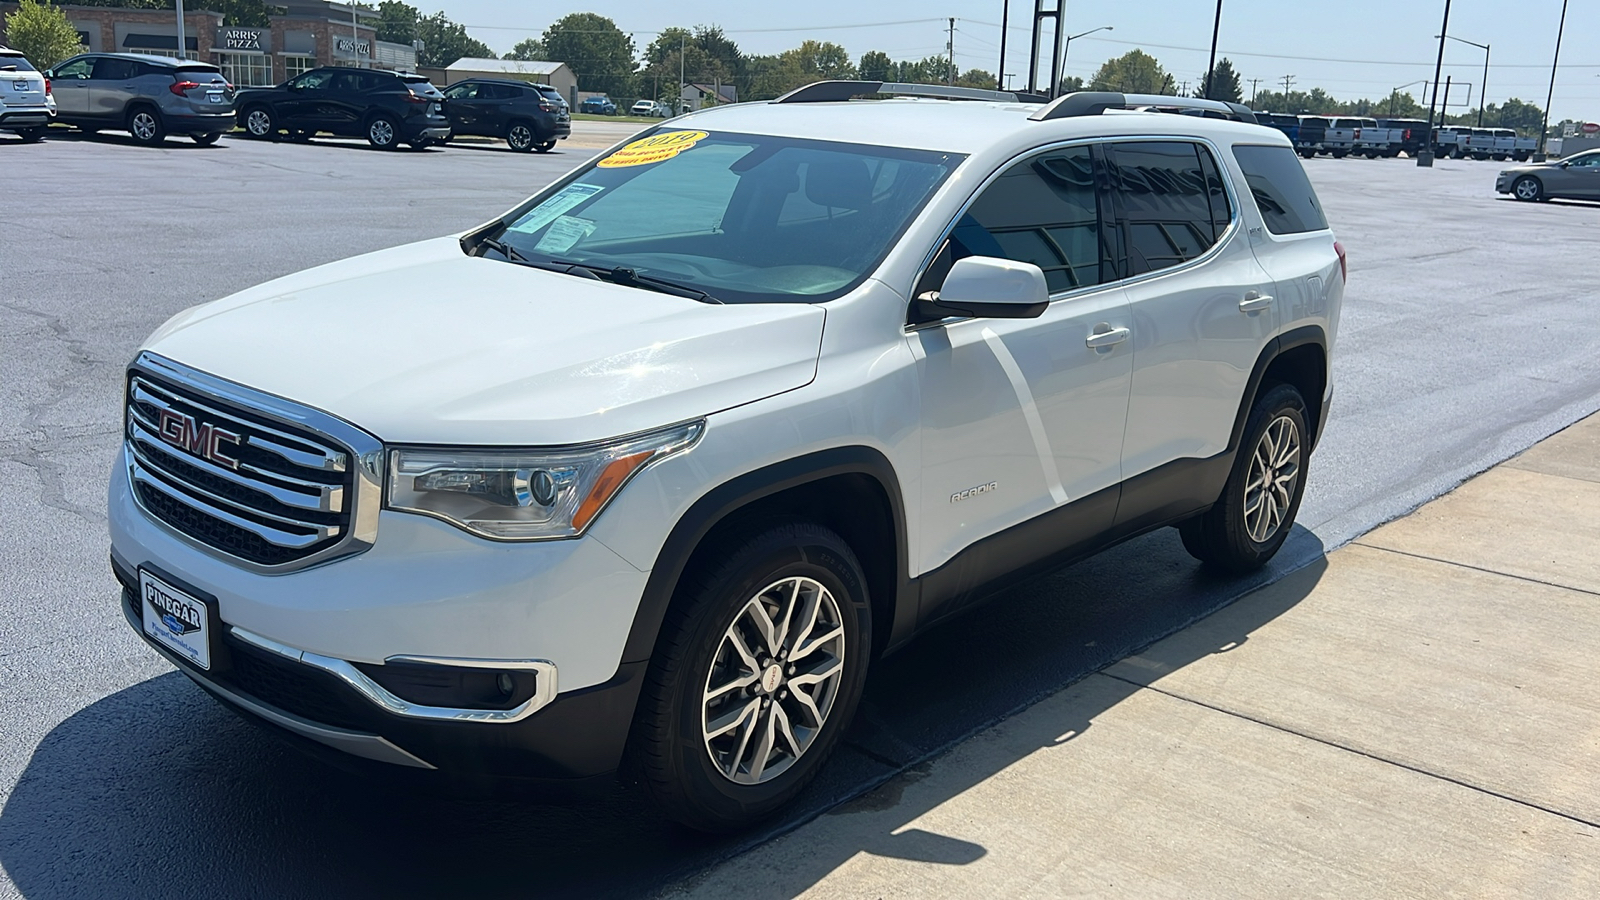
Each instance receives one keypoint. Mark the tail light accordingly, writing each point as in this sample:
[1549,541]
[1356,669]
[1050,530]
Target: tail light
[181,88]
[414,97]
[47,87]
[1344,263]
[1406,136]
[1358,134]
[546,106]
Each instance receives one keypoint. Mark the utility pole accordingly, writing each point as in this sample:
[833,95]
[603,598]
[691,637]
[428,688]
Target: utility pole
[1425,155]
[1287,80]
[1544,133]
[1184,90]
[1253,83]
[182,44]
[683,48]
[1005,22]
[951,49]
[1211,69]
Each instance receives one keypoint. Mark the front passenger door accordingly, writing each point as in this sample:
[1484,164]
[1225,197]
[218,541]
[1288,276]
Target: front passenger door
[1583,176]
[70,85]
[1022,419]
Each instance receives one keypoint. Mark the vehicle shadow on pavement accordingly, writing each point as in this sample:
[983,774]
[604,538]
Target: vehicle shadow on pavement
[117,138]
[158,791]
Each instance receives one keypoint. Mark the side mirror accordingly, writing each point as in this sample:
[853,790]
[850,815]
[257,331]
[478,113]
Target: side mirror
[987,287]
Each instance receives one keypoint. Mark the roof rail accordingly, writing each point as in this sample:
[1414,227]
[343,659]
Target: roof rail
[1093,103]
[837,91]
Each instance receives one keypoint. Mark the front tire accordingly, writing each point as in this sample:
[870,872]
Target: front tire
[383,132]
[756,675]
[1527,188]
[545,147]
[1253,517]
[204,138]
[145,126]
[31,135]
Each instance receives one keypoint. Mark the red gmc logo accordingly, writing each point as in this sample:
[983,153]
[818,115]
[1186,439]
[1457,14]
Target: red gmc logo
[200,438]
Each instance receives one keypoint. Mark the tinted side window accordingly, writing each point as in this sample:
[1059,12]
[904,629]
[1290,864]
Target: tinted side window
[1164,201]
[77,69]
[111,69]
[1281,189]
[1044,211]
[462,92]
[502,92]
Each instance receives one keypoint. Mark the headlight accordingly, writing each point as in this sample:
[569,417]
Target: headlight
[525,495]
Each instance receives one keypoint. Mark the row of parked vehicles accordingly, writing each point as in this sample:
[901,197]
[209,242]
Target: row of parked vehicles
[153,97]
[1341,136]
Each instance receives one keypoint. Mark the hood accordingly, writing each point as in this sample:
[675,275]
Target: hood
[422,344]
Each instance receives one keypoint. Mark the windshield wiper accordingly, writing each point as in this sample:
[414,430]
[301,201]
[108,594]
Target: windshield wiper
[502,248]
[631,278]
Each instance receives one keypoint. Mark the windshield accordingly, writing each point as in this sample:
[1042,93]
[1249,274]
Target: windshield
[745,218]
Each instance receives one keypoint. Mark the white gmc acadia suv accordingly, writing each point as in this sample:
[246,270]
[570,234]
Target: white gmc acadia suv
[647,471]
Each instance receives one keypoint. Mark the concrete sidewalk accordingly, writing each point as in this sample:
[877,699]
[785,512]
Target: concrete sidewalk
[1417,715]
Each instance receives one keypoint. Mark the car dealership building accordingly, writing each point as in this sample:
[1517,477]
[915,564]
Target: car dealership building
[310,33]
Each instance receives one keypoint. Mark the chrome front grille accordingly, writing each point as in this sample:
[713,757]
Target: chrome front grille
[250,475]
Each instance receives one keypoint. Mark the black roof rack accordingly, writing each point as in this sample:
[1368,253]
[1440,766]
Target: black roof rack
[838,91]
[1093,103]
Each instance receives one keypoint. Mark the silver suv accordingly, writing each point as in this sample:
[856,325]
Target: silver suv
[150,97]
[25,104]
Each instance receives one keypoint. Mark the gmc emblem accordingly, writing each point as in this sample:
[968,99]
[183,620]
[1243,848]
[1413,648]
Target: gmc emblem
[200,438]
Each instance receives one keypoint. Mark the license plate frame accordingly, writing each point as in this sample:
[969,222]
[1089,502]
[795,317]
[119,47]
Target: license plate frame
[214,97]
[177,620]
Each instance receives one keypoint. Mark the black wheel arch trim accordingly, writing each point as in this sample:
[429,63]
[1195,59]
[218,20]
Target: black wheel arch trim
[1289,340]
[727,499]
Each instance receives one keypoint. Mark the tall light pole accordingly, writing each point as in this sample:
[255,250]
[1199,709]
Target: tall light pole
[1425,155]
[1483,89]
[1544,133]
[1066,47]
[182,43]
[1211,70]
[1005,23]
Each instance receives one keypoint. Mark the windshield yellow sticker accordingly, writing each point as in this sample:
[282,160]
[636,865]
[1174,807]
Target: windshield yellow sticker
[653,149]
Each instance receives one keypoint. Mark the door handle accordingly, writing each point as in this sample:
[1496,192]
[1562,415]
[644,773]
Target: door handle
[1254,301]
[1109,338]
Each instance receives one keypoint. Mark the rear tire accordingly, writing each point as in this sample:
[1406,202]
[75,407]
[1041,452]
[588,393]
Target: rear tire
[1253,517]
[776,629]
[545,147]
[519,137]
[260,123]
[383,132]
[31,135]
[145,125]
[205,139]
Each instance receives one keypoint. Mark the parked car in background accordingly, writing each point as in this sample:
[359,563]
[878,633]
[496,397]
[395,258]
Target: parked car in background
[1310,135]
[150,97]
[1413,135]
[654,108]
[386,108]
[1289,125]
[522,113]
[25,102]
[598,106]
[1451,141]
[1576,177]
[1499,144]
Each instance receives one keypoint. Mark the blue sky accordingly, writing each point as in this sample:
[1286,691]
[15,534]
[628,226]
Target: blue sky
[1388,42]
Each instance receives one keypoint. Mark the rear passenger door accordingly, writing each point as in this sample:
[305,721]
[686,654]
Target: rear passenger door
[111,86]
[1021,417]
[1203,307]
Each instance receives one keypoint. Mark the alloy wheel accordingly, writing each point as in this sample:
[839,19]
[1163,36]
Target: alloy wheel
[1270,485]
[258,123]
[381,132]
[773,681]
[143,126]
[520,138]
[1526,189]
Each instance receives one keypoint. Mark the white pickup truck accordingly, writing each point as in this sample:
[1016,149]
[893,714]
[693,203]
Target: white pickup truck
[1499,144]
[1373,140]
[1450,141]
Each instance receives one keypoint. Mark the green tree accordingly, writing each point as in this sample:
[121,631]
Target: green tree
[42,32]
[1071,84]
[245,13]
[1526,118]
[397,22]
[1223,84]
[1134,72]
[703,55]
[875,65]
[599,53]
[444,42]
[976,78]
[526,49]
[822,60]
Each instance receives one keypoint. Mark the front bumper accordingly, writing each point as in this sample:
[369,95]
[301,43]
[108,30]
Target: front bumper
[1502,183]
[575,736]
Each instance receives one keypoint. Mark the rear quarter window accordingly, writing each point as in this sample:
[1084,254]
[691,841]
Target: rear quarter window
[16,63]
[1281,189]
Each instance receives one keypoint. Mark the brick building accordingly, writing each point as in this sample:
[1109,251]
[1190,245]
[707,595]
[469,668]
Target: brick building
[310,33]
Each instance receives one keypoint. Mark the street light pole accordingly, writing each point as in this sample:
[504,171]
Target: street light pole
[1425,155]
[1483,89]
[182,42]
[1211,70]
[1544,133]
[1005,22]
[1066,47]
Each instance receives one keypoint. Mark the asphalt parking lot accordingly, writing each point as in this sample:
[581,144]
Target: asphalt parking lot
[1468,335]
